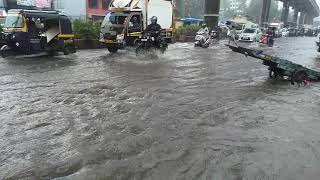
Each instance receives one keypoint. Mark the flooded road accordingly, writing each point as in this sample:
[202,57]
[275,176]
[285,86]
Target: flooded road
[190,114]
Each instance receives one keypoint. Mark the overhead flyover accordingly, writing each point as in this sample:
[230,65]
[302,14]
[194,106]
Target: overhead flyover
[308,9]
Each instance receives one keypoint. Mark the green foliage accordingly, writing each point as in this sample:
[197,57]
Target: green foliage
[188,30]
[86,29]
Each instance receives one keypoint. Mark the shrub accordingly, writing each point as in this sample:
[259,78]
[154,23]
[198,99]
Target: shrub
[188,30]
[86,29]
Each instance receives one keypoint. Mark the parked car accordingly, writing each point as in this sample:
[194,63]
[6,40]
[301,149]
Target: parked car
[285,32]
[293,32]
[250,35]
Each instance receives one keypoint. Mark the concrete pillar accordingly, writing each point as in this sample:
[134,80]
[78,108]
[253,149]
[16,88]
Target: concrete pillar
[304,17]
[211,14]
[301,18]
[285,12]
[295,16]
[265,10]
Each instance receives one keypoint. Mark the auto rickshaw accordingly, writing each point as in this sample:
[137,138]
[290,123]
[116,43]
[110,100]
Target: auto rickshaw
[28,32]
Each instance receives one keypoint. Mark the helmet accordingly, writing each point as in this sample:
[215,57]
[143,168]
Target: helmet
[204,25]
[154,20]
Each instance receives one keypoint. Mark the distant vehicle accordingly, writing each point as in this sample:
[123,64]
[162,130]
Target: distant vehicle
[293,32]
[126,21]
[278,27]
[242,23]
[308,32]
[285,32]
[34,31]
[250,35]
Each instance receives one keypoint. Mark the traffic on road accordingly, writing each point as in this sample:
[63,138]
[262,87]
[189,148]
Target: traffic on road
[157,96]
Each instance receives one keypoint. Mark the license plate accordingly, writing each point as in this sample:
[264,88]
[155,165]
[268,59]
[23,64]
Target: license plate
[144,40]
[109,41]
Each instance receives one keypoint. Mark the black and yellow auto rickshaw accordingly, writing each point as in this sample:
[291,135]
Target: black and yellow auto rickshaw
[34,31]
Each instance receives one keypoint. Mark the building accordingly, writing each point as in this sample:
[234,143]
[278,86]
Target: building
[76,9]
[83,9]
[234,4]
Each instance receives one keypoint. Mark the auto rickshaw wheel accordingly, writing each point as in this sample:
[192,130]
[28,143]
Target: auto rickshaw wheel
[5,51]
[66,51]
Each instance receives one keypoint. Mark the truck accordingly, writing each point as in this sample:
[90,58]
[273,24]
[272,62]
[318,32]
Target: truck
[242,23]
[278,27]
[126,21]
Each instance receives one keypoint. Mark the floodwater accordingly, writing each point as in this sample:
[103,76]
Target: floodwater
[190,114]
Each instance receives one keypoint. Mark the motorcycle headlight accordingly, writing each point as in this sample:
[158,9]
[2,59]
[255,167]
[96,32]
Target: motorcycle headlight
[13,37]
[120,37]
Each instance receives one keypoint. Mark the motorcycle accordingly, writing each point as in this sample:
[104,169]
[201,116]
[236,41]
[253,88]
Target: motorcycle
[201,40]
[150,41]
[214,34]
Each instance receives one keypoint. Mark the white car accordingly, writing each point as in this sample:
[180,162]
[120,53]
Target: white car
[250,35]
[285,32]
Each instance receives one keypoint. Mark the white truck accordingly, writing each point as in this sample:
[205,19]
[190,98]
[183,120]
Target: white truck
[126,21]
[242,24]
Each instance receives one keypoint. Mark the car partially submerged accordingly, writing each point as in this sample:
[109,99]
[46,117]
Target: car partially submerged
[250,35]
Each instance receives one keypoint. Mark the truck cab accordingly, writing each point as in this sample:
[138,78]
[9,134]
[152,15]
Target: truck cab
[126,21]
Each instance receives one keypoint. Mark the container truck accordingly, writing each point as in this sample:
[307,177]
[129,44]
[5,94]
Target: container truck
[126,21]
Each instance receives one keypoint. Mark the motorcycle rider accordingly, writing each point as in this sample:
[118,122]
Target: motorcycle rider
[205,30]
[155,29]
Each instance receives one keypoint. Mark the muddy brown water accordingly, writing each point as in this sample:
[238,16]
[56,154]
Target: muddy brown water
[190,114]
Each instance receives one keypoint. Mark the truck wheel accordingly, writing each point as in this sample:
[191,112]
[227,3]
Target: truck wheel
[139,50]
[66,51]
[112,49]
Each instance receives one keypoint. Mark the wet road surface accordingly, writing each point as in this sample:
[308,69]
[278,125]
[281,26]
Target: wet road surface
[191,114]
